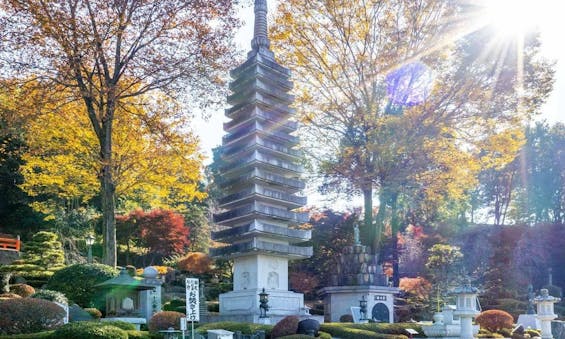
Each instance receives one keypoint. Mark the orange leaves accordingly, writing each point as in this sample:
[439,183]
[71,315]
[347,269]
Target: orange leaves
[196,263]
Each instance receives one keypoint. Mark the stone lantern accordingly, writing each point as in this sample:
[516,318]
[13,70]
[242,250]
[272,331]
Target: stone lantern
[545,312]
[466,308]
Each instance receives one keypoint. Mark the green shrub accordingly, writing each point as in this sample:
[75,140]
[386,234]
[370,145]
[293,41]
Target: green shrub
[232,326]
[495,320]
[346,331]
[285,327]
[177,305]
[77,283]
[213,307]
[295,336]
[120,324]
[385,328]
[164,320]
[38,335]
[22,290]
[532,332]
[506,332]
[324,335]
[139,335]
[95,313]
[28,315]
[87,329]
[51,296]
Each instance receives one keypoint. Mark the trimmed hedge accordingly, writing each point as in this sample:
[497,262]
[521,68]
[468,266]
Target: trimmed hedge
[27,315]
[495,320]
[22,290]
[38,335]
[77,282]
[353,331]
[386,328]
[89,329]
[232,326]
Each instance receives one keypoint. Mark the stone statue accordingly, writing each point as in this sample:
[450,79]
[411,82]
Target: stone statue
[356,234]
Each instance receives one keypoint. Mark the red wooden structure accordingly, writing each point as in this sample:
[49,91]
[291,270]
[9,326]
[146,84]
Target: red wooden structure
[9,243]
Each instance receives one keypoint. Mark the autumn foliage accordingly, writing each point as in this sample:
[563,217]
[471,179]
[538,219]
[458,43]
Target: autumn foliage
[195,262]
[418,286]
[164,320]
[303,282]
[495,320]
[161,232]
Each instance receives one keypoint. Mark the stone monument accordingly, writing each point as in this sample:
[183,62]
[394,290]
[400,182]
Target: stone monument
[358,276]
[260,177]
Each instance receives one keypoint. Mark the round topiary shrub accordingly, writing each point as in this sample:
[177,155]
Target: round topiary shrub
[77,283]
[495,320]
[88,329]
[175,305]
[51,296]
[346,318]
[287,326]
[164,320]
[94,312]
[22,290]
[28,315]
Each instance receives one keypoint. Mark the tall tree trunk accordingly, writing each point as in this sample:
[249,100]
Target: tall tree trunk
[379,224]
[107,191]
[368,232]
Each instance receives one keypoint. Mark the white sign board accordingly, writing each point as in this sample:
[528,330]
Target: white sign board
[192,300]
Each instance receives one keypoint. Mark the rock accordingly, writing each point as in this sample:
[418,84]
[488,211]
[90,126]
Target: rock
[309,327]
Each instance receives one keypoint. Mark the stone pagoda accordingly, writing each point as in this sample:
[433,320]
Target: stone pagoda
[260,176]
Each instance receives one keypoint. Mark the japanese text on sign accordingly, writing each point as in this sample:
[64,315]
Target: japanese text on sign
[192,301]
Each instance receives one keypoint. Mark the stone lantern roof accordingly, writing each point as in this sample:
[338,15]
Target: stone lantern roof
[125,281]
[545,297]
[465,289]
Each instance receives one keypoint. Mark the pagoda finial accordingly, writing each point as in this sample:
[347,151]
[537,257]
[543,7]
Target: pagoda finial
[260,37]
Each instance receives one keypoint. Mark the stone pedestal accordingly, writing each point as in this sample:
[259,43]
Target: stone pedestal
[545,314]
[338,301]
[243,305]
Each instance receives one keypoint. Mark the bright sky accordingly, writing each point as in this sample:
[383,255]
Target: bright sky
[545,13]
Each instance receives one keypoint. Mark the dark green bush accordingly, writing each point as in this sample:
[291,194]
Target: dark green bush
[232,326]
[27,315]
[177,305]
[77,283]
[213,307]
[285,327]
[88,329]
[164,320]
[346,331]
[51,296]
[22,290]
[38,335]
[295,336]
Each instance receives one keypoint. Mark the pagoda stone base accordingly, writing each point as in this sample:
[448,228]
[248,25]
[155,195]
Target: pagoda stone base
[243,305]
[338,301]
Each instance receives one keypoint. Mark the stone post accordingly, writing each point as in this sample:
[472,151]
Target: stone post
[545,312]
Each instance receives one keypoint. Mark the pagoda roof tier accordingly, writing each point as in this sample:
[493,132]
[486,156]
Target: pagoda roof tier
[256,246]
[257,128]
[277,119]
[263,96]
[260,160]
[287,184]
[265,74]
[257,210]
[236,110]
[257,86]
[251,63]
[263,194]
[265,229]
[241,150]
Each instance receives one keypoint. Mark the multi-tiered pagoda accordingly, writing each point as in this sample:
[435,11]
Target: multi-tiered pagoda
[260,177]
